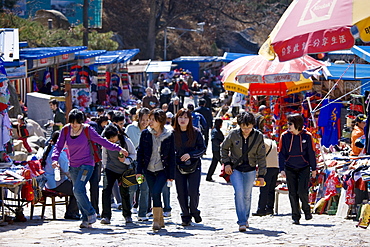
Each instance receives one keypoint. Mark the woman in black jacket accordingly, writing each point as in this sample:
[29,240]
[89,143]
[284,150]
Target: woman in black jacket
[189,145]
[297,160]
[156,160]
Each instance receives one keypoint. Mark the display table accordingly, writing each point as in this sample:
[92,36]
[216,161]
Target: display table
[11,181]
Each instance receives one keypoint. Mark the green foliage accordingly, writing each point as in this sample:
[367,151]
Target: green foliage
[8,4]
[38,35]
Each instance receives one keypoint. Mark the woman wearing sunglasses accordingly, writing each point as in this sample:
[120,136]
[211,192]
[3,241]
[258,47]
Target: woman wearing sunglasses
[296,160]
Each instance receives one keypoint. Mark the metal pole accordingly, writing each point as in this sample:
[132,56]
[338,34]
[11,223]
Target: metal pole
[165,45]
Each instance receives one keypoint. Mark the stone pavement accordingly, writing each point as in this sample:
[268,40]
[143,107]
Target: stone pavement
[218,228]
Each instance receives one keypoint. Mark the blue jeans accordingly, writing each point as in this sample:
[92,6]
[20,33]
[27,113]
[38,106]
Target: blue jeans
[166,198]
[243,184]
[80,176]
[156,181]
[143,197]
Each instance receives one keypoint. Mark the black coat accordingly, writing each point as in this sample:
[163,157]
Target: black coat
[207,114]
[144,153]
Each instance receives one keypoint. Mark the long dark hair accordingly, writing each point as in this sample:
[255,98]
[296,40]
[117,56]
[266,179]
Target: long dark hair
[54,139]
[190,130]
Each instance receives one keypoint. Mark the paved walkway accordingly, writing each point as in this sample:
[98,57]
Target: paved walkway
[218,228]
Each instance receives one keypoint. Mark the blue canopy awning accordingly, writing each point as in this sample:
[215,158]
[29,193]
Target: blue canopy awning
[229,56]
[199,59]
[44,52]
[353,72]
[159,66]
[121,56]
[362,52]
[104,59]
[88,54]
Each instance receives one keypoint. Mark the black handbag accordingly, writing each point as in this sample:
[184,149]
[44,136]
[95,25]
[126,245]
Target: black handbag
[128,177]
[189,166]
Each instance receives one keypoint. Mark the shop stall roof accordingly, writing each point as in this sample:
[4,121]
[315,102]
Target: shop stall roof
[159,66]
[199,59]
[121,56]
[362,52]
[88,54]
[341,52]
[23,44]
[230,56]
[14,63]
[350,72]
[137,66]
[44,52]
[106,59]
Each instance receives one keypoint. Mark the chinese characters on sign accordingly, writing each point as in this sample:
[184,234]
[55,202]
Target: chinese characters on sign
[318,42]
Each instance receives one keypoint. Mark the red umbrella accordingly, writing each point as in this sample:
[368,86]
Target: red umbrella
[317,26]
[260,70]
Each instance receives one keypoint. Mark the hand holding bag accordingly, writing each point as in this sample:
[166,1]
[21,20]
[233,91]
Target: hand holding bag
[227,176]
[189,166]
[128,177]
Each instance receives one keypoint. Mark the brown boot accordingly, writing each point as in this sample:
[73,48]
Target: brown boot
[156,218]
[161,220]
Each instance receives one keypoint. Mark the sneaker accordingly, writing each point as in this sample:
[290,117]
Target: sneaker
[210,180]
[85,224]
[134,210]
[308,216]
[242,228]
[119,206]
[197,219]
[91,219]
[72,217]
[295,222]
[128,219]
[259,213]
[150,214]
[186,223]
[98,216]
[142,218]
[114,205]
[166,214]
[105,221]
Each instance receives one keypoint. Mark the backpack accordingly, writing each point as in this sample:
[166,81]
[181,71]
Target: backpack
[93,148]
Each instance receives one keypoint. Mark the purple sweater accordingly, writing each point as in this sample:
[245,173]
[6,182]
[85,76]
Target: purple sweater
[79,148]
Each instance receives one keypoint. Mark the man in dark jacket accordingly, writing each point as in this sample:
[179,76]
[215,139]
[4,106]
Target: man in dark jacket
[207,114]
[59,118]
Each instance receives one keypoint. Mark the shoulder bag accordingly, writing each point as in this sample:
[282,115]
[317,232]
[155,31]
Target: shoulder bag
[128,177]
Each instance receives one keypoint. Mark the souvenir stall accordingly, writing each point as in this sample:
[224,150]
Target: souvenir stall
[16,184]
[113,82]
[83,82]
[46,67]
[138,77]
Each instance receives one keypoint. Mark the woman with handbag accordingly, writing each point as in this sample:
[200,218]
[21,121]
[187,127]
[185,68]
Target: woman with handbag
[189,146]
[114,167]
[81,158]
[156,160]
[241,152]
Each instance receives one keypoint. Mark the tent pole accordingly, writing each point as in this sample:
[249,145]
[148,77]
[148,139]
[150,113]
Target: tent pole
[315,126]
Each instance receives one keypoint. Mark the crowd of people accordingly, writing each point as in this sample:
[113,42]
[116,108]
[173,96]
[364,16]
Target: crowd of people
[168,145]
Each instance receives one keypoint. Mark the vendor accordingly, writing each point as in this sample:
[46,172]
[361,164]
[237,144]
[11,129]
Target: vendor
[357,132]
